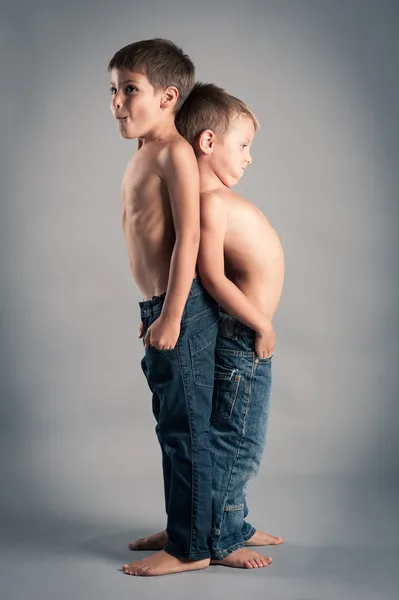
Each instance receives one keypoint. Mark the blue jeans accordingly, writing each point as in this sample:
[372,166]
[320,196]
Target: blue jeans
[238,431]
[181,381]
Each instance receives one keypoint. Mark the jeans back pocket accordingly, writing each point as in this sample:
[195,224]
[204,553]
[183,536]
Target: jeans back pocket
[225,390]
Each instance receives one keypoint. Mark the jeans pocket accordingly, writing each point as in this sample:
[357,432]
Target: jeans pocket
[225,390]
[162,350]
[202,353]
[267,360]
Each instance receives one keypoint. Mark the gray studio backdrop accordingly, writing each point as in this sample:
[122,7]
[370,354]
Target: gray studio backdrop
[77,434]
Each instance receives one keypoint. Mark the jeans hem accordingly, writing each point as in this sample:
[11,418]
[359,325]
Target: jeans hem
[177,553]
[248,536]
[220,554]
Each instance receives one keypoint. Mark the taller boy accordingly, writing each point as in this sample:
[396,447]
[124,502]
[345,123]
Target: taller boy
[160,218]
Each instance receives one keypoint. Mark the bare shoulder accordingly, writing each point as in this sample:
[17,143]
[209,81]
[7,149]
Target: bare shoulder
[176,150]
[214,207]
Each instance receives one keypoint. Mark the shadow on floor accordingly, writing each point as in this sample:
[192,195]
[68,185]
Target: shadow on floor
[368,568]
[66,535]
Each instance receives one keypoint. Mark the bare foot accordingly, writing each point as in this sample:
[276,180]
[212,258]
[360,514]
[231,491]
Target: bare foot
[244,559]
[157,541]
[163,564]
[263,539]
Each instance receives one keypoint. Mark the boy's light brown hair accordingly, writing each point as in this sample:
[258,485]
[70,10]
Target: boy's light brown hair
[161,61]
[210,107]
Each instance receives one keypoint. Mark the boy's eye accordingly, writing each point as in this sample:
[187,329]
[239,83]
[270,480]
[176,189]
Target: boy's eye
[244,145]
[112,90]
[131,88]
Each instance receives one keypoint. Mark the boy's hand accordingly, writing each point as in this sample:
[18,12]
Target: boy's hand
[163,333]
[141,328]
[265,340]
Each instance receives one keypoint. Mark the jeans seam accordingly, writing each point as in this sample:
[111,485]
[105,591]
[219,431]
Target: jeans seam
[223,515]
[197,316]
[192,456]
[249,391]
[233,507]
[243,353]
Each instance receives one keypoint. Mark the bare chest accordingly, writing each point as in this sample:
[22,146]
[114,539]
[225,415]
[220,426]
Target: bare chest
[142,194]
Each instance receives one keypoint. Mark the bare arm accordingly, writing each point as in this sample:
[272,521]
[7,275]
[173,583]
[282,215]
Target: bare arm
[211,266]
[182,180]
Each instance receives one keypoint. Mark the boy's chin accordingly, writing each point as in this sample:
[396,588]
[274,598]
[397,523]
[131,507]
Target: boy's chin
[129,136]
[230,182]
[127,132]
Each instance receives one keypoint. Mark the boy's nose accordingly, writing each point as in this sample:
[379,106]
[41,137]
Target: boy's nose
[249,159]
[117,101]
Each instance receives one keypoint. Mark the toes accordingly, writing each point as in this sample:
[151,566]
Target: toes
[265,562]
[131,569]
[277,540]
[253,563]
[259,562]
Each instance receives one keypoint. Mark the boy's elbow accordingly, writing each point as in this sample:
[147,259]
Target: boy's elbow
[208,279]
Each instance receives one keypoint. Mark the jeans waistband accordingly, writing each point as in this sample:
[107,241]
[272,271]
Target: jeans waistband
[154,306]
[232,328]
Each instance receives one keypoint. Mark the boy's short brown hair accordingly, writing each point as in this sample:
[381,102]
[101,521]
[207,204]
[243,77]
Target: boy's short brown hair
[210,107]
[161,61]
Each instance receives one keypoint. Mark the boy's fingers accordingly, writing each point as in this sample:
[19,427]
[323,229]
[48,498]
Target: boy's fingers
[264,353]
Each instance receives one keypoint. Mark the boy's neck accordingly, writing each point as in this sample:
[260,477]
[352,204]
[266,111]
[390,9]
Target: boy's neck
[209,181]
[162,131]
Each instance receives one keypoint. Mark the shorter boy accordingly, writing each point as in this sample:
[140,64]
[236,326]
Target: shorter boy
[241,265]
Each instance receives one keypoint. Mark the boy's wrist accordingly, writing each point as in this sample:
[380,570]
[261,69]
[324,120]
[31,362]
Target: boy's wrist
[170,317]
[264,327]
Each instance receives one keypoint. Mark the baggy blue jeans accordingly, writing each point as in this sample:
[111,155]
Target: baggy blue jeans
[181,381]
[238,431]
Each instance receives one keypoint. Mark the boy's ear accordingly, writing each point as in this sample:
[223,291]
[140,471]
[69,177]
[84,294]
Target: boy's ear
[169,97]
[206,141]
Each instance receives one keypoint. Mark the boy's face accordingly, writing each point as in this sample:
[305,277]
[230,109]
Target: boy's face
[134,103]
[231,156]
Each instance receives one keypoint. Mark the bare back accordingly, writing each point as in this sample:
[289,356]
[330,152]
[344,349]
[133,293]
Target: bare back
[147,219]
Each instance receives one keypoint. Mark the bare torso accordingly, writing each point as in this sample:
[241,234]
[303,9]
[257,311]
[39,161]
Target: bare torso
[254,258]
[147,221]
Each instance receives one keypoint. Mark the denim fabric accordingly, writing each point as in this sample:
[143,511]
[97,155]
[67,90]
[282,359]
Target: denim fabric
[181,381]
[238,431]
